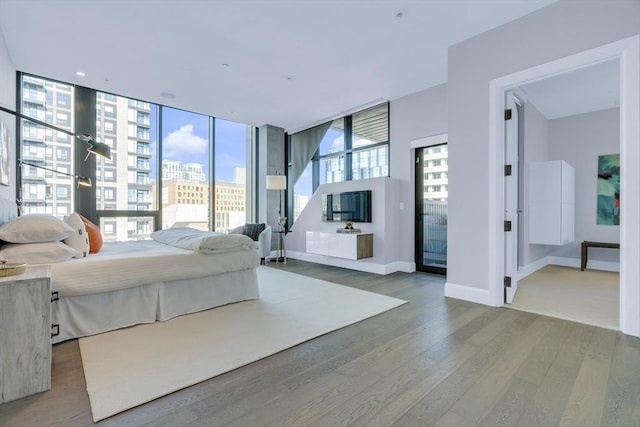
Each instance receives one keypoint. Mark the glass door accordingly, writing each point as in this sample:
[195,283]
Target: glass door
[431,208]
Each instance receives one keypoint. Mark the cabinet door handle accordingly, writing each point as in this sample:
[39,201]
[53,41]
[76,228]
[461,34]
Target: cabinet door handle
[55,330]
[55,296]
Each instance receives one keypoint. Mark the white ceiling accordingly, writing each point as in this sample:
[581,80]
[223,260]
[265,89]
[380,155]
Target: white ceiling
[588,89]
[291,63]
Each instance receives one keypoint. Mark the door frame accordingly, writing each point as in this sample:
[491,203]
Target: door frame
[417,144]
[627,51]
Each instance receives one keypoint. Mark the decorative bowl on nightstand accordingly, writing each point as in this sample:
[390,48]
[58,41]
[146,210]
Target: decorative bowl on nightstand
[11,268]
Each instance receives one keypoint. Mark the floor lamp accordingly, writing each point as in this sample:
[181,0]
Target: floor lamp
[279,182]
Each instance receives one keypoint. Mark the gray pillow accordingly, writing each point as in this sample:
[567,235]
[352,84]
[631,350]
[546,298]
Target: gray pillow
[254,230]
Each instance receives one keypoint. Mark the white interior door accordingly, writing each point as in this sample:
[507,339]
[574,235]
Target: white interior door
[511,199]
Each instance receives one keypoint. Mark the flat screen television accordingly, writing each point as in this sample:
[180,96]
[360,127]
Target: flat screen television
[354,206]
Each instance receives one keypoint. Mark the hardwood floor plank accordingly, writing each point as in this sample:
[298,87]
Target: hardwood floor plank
[622,403]
[547,406]
[510,406]
[399,350]
[431,407]
[490,387]
[535,367]
[586,403]
[451,419]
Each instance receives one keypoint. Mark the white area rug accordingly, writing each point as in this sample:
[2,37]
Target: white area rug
[129,367]
[591,296]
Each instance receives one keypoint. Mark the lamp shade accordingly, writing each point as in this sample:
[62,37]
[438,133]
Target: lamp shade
[100,149]
[276,182]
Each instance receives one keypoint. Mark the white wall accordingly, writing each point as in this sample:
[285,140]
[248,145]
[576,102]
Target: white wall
[559,30]
[412,117]
[579,140]
[8,100]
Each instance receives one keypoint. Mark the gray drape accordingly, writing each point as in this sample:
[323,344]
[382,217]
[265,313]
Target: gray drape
[303,145]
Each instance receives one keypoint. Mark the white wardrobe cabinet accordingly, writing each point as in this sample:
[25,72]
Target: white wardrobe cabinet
[551,202]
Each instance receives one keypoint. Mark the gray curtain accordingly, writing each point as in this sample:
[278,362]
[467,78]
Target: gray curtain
[303,145]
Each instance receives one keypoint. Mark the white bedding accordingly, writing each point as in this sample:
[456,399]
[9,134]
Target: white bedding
[122,265]
[206,242]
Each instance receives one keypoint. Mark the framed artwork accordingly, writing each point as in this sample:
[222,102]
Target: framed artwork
[608,190]
[4,154]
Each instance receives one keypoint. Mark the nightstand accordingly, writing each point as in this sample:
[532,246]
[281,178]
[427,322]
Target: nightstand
[25,333]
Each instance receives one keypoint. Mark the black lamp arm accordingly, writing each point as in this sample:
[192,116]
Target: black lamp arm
[22,162]
[36,121]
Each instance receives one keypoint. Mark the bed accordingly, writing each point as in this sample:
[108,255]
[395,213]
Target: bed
[129,283]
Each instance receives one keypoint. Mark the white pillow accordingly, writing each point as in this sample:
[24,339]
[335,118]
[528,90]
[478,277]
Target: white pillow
[79,240]
[35,228]
[37,253]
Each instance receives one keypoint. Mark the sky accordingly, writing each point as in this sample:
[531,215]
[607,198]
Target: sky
[185,138]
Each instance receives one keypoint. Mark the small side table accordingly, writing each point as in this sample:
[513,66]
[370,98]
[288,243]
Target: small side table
[585,248]
[25,333]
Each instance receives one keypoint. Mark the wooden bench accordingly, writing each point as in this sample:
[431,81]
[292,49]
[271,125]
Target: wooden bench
[586,244]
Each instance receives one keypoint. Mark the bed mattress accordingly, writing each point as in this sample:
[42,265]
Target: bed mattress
[123,265]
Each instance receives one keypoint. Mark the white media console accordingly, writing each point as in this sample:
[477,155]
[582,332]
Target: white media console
[340,245]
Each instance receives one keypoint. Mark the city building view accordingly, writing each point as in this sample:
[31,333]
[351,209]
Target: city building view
[435,204]
[128,181]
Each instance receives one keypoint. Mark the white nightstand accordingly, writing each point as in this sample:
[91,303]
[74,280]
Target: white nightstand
[25,333]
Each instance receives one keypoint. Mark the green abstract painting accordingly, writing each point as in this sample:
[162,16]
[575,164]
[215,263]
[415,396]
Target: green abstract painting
[609,189]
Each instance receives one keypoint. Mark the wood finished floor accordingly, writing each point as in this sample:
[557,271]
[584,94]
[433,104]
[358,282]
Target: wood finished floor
[435,361]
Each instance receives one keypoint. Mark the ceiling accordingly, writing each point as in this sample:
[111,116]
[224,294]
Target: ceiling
[288,63]
[588,89]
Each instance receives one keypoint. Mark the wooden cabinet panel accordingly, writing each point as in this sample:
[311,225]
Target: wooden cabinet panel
[25,334]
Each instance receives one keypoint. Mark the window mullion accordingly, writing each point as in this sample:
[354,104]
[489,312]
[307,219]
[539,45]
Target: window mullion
[348,138]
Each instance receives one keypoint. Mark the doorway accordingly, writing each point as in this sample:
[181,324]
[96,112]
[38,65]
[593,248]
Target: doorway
[431,200]
[626,52]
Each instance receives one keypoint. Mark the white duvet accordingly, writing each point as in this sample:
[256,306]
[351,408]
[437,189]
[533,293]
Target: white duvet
[206,242]
[121,265]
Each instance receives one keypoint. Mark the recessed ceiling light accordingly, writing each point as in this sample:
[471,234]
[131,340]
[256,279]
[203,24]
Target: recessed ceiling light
[226,65]
[400,14]
[288,78]
[167,95]
[80,73]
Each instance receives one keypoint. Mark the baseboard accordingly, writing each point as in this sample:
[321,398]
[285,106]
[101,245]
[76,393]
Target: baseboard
[405,267]
[526,270]
[563,261]
[592,264]
[467,293]
[566,262]
[369,267]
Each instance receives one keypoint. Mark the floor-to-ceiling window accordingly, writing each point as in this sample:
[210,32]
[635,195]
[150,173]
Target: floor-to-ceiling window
[348,148]
[232,140]
[126,181]
[133,188]
[44,191]
[186,152]
[331,153]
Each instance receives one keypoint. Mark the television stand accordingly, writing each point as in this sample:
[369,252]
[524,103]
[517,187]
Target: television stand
[340,245]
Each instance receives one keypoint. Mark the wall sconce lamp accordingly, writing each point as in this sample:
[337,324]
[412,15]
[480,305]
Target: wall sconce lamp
[95,147]
[80,180]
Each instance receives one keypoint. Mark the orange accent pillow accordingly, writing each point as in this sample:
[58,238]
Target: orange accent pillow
[95,237]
